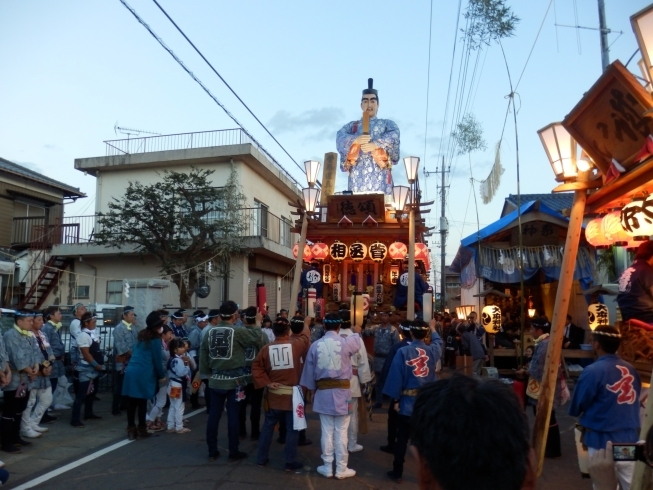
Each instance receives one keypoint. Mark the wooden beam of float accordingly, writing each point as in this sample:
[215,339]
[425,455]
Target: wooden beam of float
[565,282]
[328,176]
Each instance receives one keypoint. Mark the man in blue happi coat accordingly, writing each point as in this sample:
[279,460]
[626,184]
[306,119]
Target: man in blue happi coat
[412,368]
[606,399]
[368,156]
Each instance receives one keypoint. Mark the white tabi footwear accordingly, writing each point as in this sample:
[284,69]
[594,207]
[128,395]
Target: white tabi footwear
[38,428]
[30,433]
[355,449]
[325,471]
[348,473]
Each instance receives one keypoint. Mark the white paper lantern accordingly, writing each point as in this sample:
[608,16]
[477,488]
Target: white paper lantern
[491,319]
[597,315]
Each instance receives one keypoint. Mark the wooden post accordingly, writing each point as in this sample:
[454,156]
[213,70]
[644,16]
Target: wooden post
[328,176]
[560,310]
[643,477]
[410,302]
[292,307]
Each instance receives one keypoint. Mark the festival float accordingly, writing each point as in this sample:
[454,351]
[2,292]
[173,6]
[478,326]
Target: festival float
[361,246]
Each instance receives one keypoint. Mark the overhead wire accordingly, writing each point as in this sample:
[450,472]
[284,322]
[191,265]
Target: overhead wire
[206,89]
[227,84]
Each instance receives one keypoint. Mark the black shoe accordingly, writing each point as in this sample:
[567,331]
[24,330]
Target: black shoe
[213,457]
[196,406]
[95,398]
[281,440]
[132,433]
[92,417]
[242,435]
[113,412]
[22,442]
[305,442]
[237,456]
[255,437]
[264,463]
[78,425]
[47,419]
[393,476]
[13,449]
[294,466]
[388,449]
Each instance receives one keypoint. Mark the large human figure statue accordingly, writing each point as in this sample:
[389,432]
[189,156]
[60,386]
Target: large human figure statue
[369,147]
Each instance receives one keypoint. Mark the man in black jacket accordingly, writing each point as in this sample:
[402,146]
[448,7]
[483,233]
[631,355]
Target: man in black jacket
[574,336]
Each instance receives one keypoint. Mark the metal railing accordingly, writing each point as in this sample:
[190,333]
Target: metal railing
[258,222]
[185,141]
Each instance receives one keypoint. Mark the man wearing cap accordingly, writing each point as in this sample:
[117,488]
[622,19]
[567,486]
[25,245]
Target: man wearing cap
[328,370]
[393,416]
[606,398]
[385,336]
[368,154]
[412,367]
[177,324]
[195,340]
[124,339]
[222,358]
[24,363]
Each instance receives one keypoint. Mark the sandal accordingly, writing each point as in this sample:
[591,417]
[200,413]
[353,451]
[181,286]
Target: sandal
[185,430]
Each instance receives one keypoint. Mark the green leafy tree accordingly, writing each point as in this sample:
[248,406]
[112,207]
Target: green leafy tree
[182,221]
[468,135]
[487,21]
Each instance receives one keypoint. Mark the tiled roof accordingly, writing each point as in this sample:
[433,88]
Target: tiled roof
[557,201]
[14,168]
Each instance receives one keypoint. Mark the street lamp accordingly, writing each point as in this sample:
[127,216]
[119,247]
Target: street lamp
[400,195]
[312,168]
[642,24]
[531,312]
[561,150]
[311,198]
[411,164]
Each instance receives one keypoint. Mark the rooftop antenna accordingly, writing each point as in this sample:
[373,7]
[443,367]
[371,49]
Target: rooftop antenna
[131,132]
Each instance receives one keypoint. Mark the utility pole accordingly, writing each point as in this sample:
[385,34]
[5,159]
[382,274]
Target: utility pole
[603,32]
[444,229]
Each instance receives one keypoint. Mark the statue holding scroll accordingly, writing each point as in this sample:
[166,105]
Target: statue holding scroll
[369,147]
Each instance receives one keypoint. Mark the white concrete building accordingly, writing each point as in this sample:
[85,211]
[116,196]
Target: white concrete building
[97,273]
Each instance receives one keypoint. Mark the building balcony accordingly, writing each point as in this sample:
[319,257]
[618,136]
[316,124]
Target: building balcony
[76,235]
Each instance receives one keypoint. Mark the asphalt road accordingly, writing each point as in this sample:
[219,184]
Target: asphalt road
[181,461]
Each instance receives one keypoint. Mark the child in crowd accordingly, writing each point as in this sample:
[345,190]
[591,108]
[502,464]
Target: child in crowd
[178,380]
[154,422]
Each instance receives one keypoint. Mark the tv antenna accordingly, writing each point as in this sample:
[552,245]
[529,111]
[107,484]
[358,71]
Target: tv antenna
[131,132]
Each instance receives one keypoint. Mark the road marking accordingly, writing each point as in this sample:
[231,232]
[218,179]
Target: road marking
[84,460]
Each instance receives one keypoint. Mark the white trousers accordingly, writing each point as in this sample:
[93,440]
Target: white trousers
[623,470]
[38,403]
[334,440]
[159,403]
[352,431]
[176,414]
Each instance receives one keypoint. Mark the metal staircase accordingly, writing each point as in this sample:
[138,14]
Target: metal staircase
[45,283]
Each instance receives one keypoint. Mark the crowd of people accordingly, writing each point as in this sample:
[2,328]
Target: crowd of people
[241,360]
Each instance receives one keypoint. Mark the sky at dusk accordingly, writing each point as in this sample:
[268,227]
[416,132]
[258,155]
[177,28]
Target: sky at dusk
[70,70]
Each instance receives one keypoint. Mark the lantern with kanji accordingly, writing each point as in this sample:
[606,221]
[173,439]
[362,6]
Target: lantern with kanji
[320,251]
[637,218]
[326,273]
[398,251]
[307,252]
[378,252]
[338,251]
[357,251]
[594,233]
[491,319]
[597,315]
[613,231]
[394,274]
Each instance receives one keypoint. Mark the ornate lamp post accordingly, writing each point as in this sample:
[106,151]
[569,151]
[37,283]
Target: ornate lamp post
[411,164]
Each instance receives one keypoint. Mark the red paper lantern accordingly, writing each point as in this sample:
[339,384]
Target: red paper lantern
[594,234]
[307,252]
[421,252]
[320,251]
[613,231]
[398,251]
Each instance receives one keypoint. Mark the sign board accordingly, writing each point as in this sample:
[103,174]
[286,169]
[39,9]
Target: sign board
[356,207]
[608,121]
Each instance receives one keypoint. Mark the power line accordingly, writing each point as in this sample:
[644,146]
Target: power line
[428,86]
[228,86]
[199,82]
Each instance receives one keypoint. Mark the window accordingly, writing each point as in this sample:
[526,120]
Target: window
[114,292]
[261,218]
[284,232]
[82,292]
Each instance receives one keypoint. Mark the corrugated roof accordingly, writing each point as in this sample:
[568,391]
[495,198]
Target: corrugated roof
[555,201]
[14,168]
